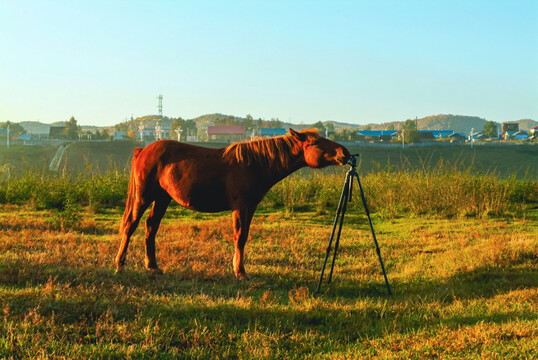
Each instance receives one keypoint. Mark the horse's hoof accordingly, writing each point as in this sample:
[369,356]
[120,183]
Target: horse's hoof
[119,270]
[242,277]
[155,271]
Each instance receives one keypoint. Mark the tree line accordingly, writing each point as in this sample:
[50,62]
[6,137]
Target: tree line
[189,128]
[248,122]
[15,128]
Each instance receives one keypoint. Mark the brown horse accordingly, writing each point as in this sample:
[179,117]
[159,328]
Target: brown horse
[234,178]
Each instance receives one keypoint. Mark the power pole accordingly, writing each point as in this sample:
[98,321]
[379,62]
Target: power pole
[471,137]
[141,129]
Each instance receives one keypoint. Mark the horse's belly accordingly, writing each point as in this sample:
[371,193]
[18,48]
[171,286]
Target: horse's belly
[203,206]
[203,198]
[195,187]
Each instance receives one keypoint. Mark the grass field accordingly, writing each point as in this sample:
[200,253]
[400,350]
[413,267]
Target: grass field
[463,288]
[500,159]
[460,246]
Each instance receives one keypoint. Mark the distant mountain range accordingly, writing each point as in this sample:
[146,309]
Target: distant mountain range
[458,123]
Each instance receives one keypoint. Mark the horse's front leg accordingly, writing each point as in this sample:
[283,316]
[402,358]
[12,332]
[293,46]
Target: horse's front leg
[241,224]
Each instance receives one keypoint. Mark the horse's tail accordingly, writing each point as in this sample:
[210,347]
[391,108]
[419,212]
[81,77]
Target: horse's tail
[131,190]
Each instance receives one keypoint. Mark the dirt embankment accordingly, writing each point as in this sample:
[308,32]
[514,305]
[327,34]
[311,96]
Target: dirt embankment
[97,156]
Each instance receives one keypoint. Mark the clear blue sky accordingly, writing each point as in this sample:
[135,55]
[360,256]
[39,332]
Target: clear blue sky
[299,61]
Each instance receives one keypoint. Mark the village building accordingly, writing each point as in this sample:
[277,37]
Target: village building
[508,130]
[226,133]
[457,137]
[439,134]
[521,135]
[268,133]
[382,135]
[533,132]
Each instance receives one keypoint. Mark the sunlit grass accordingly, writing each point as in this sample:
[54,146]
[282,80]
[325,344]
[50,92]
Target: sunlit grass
[463,287]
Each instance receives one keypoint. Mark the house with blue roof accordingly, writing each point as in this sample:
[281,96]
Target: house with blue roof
[476,136]
[457,137]
[272,132]
[438,134]
[507,135]
[377,133]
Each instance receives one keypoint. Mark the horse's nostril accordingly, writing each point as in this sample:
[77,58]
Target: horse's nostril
[342,160]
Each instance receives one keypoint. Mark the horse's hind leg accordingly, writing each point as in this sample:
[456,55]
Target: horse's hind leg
[130,221]
[152,225]
[241,223]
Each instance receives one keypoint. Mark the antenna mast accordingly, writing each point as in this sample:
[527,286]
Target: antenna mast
[160,105]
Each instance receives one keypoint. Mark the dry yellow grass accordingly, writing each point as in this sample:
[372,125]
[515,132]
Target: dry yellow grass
[463,288]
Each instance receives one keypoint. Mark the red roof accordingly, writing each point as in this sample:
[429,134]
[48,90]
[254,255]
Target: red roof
[219,130]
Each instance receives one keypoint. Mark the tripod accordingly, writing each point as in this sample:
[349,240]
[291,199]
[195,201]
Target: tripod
[339,220]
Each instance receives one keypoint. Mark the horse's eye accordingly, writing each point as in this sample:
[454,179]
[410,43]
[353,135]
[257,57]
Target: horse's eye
[314,142]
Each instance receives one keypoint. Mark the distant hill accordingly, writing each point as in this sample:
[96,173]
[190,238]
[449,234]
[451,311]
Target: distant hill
[209,119]
[458,123]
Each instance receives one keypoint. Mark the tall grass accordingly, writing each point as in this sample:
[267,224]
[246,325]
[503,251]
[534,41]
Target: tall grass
[434,192]
[440,191]
[45,190]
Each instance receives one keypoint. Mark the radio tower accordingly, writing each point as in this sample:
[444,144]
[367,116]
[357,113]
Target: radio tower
[160,105]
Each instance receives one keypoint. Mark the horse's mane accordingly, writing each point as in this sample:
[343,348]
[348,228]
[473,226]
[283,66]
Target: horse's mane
[272,153]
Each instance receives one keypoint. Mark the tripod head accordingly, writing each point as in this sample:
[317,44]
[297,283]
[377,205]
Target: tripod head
[353,160]
[352,172]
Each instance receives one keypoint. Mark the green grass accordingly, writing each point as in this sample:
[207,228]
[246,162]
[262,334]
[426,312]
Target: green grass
[438,191]
[463,288]
[500,159]
[460,248]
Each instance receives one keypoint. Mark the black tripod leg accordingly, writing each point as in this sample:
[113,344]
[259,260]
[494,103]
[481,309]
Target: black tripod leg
[373,233]
[343,198]
[337,242]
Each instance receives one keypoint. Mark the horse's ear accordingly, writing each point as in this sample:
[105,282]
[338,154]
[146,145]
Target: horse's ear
[297,135]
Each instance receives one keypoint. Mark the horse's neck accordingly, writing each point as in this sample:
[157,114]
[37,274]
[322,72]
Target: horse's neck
[295,163]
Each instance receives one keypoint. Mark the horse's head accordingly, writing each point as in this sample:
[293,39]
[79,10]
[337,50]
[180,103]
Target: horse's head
[319,151]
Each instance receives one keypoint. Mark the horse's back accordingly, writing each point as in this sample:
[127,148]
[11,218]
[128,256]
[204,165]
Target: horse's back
[163,153]
[192,175]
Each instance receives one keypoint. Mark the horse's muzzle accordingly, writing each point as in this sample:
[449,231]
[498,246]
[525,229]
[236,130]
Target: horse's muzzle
[343,157]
